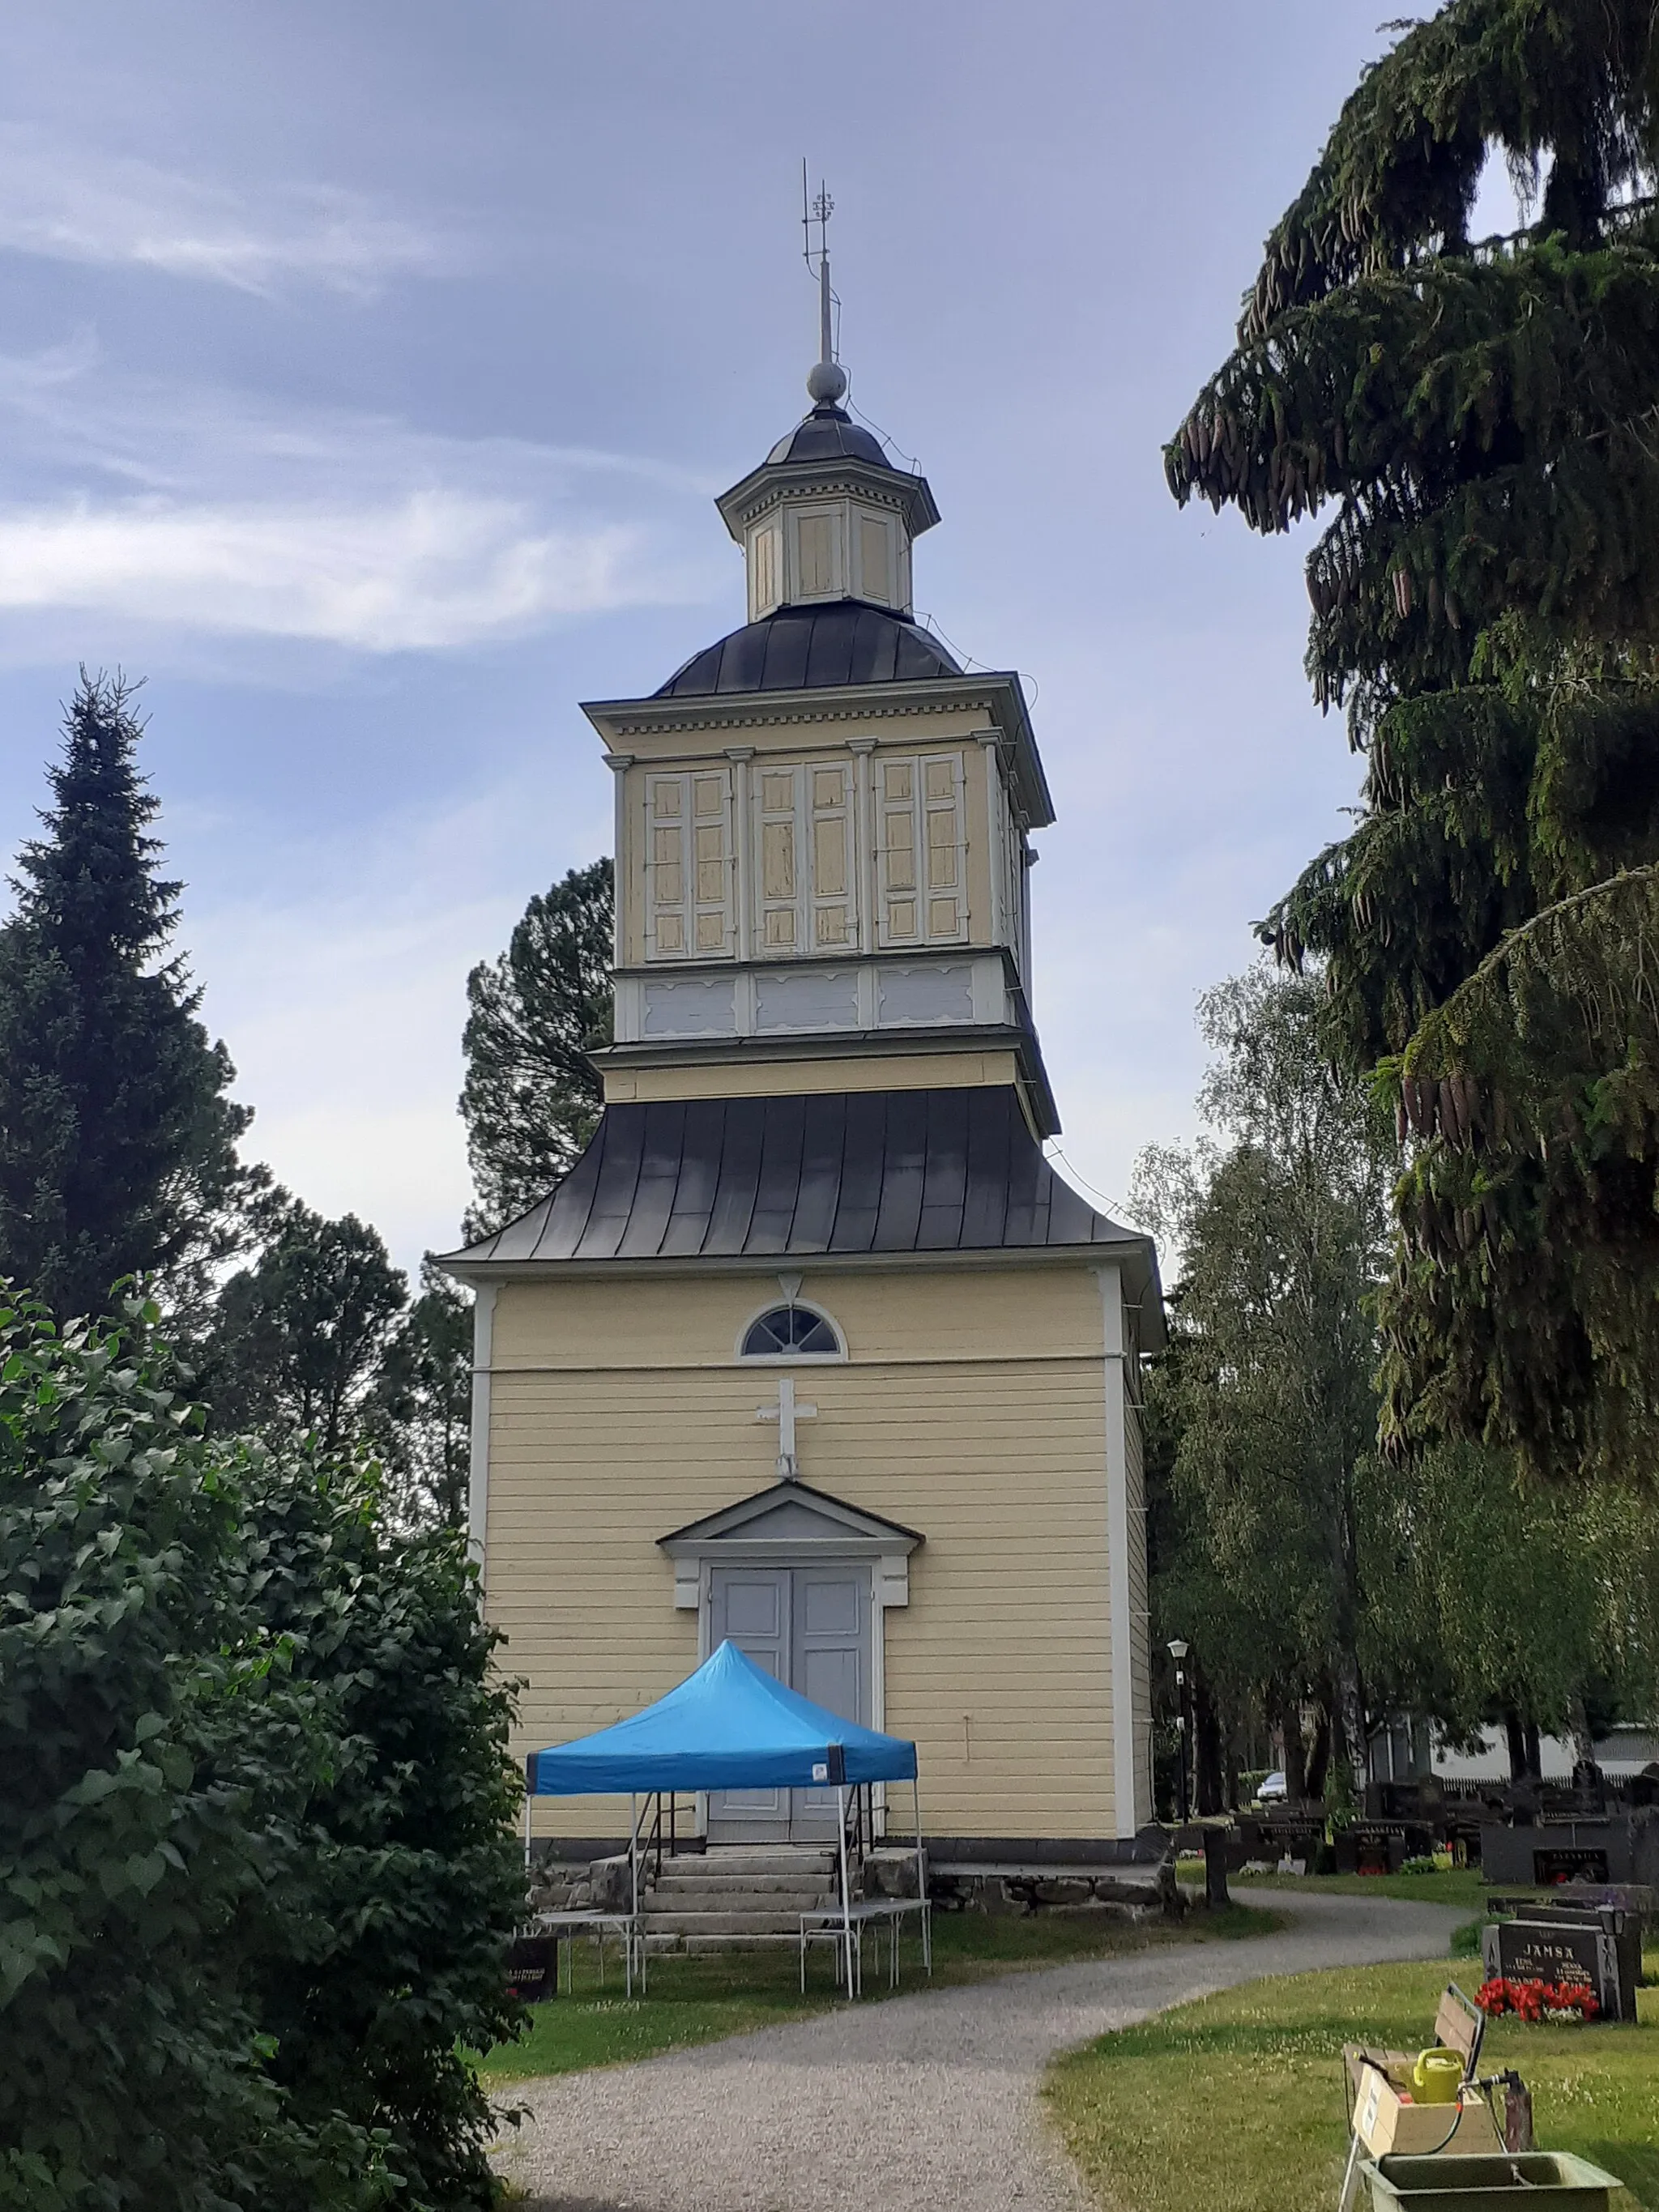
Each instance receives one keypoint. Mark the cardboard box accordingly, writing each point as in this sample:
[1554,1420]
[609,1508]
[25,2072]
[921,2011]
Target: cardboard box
[1387,2118]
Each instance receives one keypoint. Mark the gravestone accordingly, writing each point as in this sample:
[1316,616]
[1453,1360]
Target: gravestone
[532,1968]
[1622,1848]
[1563,1948]
[1215,1868]
[1374,1847]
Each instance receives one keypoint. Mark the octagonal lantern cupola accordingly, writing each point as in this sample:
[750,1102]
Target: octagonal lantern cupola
[827,515]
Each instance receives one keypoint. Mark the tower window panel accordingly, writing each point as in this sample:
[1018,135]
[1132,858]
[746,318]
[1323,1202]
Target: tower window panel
[815,539]
[671,874]
[778,859]
[829,856]
[804,882]
[711,864]
[922,850]
[875,559]
[768,583]
[832,854]
[946,837]
[901,854]
[689,874]
[776,885]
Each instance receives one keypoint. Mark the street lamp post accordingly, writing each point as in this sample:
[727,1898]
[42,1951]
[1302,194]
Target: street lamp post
[1178,1651]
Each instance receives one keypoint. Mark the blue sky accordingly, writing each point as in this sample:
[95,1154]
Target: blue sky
[367,373]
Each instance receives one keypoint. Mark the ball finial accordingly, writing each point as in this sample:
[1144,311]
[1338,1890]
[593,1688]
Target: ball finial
[826,383]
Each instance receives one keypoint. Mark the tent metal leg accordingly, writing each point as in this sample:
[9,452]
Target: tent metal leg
[921,1879]
[846,1892]
[634,1881]
[526,1830]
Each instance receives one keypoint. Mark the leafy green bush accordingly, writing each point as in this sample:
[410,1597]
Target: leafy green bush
[256,1864]
[392,1908]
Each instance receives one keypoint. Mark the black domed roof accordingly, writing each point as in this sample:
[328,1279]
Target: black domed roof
[846,642]
[828,434]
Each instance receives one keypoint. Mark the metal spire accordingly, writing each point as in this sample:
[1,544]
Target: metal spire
[826,382]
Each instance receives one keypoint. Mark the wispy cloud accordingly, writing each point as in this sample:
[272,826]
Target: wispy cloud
[441,570]
[199,511]
[69,203]
[338,978]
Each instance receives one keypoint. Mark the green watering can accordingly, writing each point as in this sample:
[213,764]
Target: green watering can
[1436,2076]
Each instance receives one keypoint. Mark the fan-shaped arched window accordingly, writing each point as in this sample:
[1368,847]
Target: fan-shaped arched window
[789,1331]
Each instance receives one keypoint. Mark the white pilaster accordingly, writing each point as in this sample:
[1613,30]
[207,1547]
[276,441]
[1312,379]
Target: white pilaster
[997,828]
[1118,1537]
[620,763]
[742,831]
[477,1498]
[864,843]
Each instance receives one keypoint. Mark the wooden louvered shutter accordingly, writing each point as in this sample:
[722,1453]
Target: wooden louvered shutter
[830,791]
[689,868]
[921,851]
[896,852]
[942,840]
[779,876]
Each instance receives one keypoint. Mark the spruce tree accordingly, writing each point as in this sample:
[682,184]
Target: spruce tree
[1479,416]
[301,1339]
[117,1139]
[420,1418]
[532,1095]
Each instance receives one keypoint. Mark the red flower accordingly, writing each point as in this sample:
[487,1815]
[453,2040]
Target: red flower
[1531,2000]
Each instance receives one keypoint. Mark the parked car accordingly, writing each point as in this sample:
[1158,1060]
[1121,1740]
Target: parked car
[1273,1788]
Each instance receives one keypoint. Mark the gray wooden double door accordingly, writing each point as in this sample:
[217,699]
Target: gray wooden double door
[810,1628]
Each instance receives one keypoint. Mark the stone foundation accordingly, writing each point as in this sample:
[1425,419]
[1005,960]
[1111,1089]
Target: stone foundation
[1123,1895]
[1133,1883]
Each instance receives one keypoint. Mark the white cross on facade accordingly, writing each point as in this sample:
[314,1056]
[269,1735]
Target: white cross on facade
[786,1413]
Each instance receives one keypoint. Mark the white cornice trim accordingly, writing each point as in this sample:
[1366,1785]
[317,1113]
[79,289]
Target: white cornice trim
[846,704]
[1033,1255]
[998,694]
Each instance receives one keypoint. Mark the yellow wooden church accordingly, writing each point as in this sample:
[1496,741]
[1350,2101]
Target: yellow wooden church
[813,1348]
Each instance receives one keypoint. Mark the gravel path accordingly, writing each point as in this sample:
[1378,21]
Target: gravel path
[927,2102]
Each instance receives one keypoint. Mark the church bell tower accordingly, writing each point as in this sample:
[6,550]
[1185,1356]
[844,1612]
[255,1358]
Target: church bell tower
[812,1350]
[822,821]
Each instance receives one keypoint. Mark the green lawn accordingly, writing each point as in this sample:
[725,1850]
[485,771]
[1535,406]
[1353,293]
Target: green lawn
[1456,1886]
[1460,1886]
[702,1999]
[1236,2103]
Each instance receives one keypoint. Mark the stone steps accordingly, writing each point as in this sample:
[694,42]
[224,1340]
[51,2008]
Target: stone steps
[672,1947]
[758,1921]
[738,1896]
[783,1886]
[753,1858]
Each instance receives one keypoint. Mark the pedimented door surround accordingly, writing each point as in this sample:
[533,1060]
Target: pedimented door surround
[800,1548]
[810,1628]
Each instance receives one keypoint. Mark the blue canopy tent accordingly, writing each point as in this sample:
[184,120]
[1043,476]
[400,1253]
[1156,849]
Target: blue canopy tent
[729,1726]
